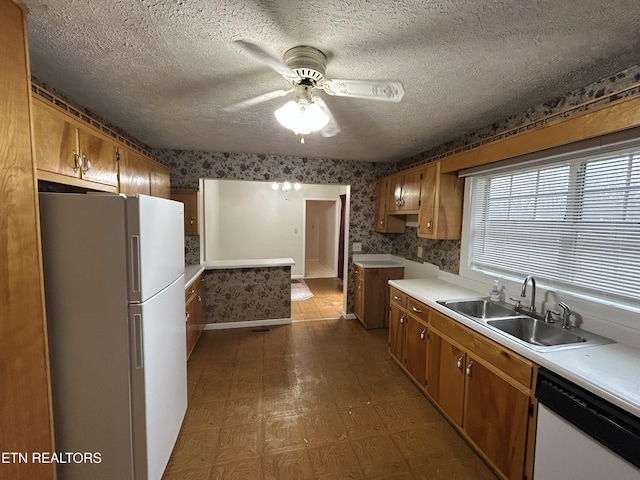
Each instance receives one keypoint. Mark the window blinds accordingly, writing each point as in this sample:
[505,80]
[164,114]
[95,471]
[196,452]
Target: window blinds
[574,223]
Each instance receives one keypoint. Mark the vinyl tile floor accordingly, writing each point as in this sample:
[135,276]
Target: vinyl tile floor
[326,301]
[311,400]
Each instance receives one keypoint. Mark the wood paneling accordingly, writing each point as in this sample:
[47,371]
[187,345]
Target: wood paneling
[25,398]
[599,121]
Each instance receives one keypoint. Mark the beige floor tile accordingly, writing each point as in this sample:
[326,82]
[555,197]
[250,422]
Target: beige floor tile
[311,400]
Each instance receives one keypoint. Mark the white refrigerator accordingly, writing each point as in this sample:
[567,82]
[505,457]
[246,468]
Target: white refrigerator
[114,289]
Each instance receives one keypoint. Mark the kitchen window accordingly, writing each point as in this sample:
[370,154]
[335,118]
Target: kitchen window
[572,221]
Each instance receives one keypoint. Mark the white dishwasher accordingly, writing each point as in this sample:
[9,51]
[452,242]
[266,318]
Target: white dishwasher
[581,436]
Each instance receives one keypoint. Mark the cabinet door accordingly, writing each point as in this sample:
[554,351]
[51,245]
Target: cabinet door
[358,294]
[427,214]
[191,319]
[201,314]
[382,222]
[134,173]
[394,193]
[98,155]
[410,191]
[416,351]
[445,374]
[189,197]
[160,180]
[396,332]
[496,418]
[55,141]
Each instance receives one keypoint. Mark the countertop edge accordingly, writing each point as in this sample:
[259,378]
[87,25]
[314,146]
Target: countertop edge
[249,263]
[191,272]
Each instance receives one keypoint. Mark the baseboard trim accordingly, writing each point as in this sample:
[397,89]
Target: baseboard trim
[247,323]
[349,316]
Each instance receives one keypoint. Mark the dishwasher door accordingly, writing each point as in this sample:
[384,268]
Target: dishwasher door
[564,452]
[582,436]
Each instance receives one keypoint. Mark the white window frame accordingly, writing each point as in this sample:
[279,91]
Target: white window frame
[621,312]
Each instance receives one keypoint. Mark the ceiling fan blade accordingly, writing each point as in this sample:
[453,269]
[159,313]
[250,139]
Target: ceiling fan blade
[259,54]
[385,90]
[256,100]
[332,128]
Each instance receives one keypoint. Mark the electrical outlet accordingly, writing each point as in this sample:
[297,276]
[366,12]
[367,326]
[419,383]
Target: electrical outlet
[419,252]
[357,247]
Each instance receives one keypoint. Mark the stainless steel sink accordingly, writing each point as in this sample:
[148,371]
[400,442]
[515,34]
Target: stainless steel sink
[481,308]
[536,332]
[521,326]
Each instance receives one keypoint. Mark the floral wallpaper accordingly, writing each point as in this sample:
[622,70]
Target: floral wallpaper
[187,167]
[238,295]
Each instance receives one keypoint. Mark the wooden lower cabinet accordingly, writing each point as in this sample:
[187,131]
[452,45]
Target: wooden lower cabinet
[408,334]
[496,418]
[397,330]
[484,389]
[370,294]
[195,297]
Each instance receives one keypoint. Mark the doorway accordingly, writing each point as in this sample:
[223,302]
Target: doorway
[323,266]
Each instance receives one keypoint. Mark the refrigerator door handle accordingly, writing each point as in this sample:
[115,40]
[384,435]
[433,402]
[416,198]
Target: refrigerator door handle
[135,263]
[137,341]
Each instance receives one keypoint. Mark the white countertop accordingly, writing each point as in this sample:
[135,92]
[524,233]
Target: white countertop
[377,264]
[610,371]
[191,272]
[249,263]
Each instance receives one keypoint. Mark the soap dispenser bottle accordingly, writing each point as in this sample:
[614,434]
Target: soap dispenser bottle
[495,294]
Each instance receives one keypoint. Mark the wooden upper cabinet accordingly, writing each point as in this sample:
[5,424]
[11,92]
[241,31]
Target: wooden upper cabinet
[189,197]
[384,223]
[55,141]
[404,192]
[69,152]
[98,155]
[160,180]
[441,194]
[134,172]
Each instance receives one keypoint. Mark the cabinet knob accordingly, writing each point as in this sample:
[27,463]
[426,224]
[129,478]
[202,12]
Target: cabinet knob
[86,164]
[402,319]
[395,297]
[186,319]
[416,310]
[468,370]
[423,334]
[429,224]
[77,161]
[190,220]
[459,364]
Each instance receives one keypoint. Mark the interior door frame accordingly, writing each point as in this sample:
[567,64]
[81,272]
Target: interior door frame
[336,203]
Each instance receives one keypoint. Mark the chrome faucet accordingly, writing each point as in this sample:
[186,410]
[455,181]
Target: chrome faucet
[566,313]
[523,293]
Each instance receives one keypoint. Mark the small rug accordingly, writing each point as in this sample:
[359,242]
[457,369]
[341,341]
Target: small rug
[300,291]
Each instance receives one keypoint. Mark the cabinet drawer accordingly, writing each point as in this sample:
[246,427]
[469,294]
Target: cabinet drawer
[192,289]
[418,309]
[503,359]
[399,298]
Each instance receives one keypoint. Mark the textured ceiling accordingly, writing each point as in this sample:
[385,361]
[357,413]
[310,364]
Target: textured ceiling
[164,70]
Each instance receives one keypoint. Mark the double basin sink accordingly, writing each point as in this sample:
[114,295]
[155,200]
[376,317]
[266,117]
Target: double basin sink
[532,332]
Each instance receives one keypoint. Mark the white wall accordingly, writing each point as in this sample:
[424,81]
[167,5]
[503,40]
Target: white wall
[254,221]
[211,211]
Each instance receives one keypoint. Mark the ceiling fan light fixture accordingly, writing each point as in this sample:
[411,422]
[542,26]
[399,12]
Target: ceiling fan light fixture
[301,118]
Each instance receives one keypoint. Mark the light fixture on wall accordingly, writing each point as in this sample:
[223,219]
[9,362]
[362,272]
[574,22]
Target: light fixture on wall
[286,186]
[303,115]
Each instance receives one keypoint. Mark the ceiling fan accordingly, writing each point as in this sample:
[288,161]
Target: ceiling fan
[304,68]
